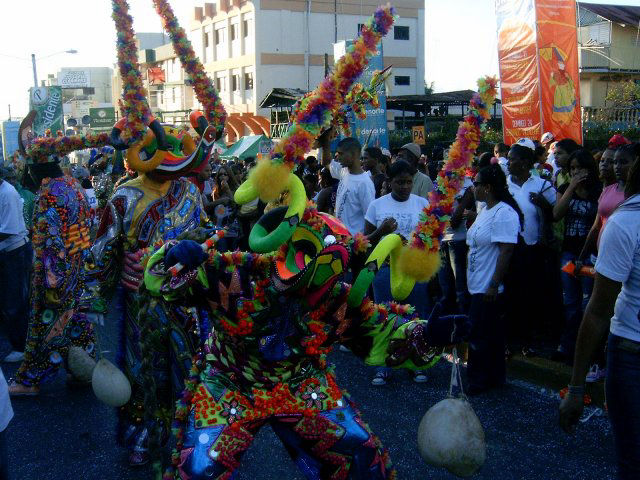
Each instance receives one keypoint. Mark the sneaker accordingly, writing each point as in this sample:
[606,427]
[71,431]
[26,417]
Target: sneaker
[14,357]
[380,378]
[19,390]
[595,373]
[420,376]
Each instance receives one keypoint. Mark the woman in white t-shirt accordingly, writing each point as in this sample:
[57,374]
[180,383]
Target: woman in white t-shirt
[614,306]
[397,212]
[491,240]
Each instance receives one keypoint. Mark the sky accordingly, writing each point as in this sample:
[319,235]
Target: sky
[460,40]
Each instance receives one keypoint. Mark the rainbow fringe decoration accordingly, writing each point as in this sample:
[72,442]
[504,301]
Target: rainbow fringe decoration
[419,260]
[203,86]
[135,106]
[315,111]
[43,147]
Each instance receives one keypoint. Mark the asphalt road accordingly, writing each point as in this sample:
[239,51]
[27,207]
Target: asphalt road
[67,434]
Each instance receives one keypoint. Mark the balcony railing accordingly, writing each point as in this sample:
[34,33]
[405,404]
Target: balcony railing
[610,58]
[616,118]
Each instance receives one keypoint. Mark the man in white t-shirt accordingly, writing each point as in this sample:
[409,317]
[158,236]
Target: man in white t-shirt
[617,282]
[356,190]
[15,265]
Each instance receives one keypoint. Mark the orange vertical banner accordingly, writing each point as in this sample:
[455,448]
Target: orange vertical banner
[558,64]
[518,60]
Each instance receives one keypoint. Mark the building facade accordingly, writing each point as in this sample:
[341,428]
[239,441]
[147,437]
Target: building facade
[251,47]
[608,40]
[83,88]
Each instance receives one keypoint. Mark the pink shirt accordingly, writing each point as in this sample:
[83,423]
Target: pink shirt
[609,200]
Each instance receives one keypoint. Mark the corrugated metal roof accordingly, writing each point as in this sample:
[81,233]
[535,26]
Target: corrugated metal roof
[625,14]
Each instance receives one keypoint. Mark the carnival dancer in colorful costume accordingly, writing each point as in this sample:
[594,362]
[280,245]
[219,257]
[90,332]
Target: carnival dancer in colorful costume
[275,312]
[60,310]
[156,206]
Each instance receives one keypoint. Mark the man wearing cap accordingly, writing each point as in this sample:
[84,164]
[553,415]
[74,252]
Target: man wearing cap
[422,184]
[546,140]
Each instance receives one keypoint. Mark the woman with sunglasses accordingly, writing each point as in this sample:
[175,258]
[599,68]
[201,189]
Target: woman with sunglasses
[491,240]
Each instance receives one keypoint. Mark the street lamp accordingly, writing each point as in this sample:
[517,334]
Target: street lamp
[33,62]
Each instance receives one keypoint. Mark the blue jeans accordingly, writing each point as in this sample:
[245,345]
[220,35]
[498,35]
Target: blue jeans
[15,278]
[453,274]
[419,296]
[576,291]
[623,397]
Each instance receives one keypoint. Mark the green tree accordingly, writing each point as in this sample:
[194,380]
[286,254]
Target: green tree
[623,94]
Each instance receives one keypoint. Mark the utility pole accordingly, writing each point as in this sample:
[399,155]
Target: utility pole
[35,72]
[9,112]
[335,21]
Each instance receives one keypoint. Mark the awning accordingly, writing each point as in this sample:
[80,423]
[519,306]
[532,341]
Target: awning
[248,146]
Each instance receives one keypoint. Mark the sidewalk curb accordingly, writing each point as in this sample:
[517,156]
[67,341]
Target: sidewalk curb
[549,374]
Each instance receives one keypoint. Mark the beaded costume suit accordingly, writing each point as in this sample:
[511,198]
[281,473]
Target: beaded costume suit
[59,301]
[142,214]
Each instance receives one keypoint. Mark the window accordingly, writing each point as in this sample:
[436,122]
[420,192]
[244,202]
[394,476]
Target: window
[218,84]
[400,33]
[245,28]
[219,36]
[402,80]
[235,82]
[360,25]
[234,31]
[206,40]
[173,94]
[248,81]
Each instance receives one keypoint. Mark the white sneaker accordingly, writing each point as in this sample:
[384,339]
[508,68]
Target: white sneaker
[420,376]
[595,373]
[14,357]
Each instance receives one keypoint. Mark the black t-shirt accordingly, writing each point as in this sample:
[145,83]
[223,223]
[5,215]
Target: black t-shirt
[579,219]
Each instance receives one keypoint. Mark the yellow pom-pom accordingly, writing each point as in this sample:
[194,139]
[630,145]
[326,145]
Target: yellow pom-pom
[421,265]
[269,179]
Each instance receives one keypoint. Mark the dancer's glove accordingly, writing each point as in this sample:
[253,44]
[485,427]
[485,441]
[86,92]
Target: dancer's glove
[133,271]
[188,253]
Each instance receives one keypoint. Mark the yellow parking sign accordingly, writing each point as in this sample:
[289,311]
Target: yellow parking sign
[418,135]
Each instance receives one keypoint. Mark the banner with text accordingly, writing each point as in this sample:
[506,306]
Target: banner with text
[558,64]
[47,103]
[518,62]
[372,131]
[9,138]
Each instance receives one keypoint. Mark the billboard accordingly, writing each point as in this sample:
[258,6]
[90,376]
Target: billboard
[68,78]
[47,103]
[518,62]
[538,58]
[9,138]
[372,131]
[102,117]
[558,66]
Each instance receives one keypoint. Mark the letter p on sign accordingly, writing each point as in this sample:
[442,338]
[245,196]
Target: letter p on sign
[418,135]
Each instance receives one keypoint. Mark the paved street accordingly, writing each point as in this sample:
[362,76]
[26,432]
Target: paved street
[68,435]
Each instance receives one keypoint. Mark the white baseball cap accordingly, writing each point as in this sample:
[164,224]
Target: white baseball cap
[546,138]
[526,142]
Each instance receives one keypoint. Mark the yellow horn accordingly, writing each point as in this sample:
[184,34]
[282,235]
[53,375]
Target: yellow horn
[133,155]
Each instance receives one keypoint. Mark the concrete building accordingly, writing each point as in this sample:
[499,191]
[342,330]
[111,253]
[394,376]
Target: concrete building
[608,40]
[251,47]
[82,88]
